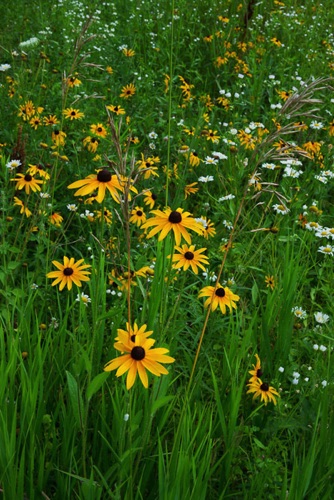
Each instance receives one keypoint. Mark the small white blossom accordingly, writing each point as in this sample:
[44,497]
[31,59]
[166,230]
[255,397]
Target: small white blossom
[324,383]
[208,178]
[321,317]
[315,347]
[323,348]
[83,298]
[4,67]
[281,369]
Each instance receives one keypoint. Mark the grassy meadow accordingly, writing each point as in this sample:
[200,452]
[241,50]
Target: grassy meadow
[166,255]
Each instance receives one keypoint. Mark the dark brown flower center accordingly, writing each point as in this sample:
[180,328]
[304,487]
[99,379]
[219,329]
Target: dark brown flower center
[154,196]
[73,113]
[139,213]
[264,387]
[133,338]
[68,271]
[175,217]
[27,177]
[56,132]
[189,255]
[104,176]
[116,108]
[138,353]
[195,154]
[99,129]
[259,373]
[220,292]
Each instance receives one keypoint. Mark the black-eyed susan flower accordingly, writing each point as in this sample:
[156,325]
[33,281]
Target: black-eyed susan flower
[219,296]
[35,122]
[106,215]
[55,219]
[50,120]
[68,273]
[73,114]
[148,166]
[58,137]
[257,371]
[118,110]
[208,227]
[128,91]
[262,390]
[150,198]
[101,181]
[73,81]
[212,135]
[99,130]
[132,332]
[187,257]
[38,169]
[91,143]
[28,182]
[137,216]
[139,357]
[270,281]
[190,189]
[177,221]
[194,160]
[128,52]
[23,208]
[26,110]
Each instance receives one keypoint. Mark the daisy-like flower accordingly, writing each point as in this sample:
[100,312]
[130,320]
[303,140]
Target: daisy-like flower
[133,332]
[28,182]
[148,165]
[23,208]
[219,296]
[118,110]
[12,164]
[85,299]
[263,390]
[211,135]
[321,317]
[327,250]
[68,273]
[281,209]
[26,110]
[101,181]
[299,312]
[128,91]
[139,357]
[210,161]
[270,280]
[189,257]
[257,371]
[73,114]
[137,216]
[99,130]
[176,220]
[128,52]
[150,199]
[73,81]
[316,125]
[35,122]
[205,179]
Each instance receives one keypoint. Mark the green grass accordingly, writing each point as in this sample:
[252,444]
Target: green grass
[69,429]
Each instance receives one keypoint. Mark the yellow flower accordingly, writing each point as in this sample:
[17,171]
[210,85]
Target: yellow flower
[189,257]
[73,114]
[28,182]
[176,221]
[24,209]
[101,181]
[137,216]
[91,143]
[256,372]
[128,91]
[58,137]
[194,159]
[139,357]
[150,198]
[270,280]
[263,390]
[73,81]
[56,219]
[190,189]
[147,166]
[99,130]
[118,110]
[219,296]
[128,52]
[70,272]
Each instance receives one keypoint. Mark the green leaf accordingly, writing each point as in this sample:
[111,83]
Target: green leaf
[161,402]
[96,384]
[75,398]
